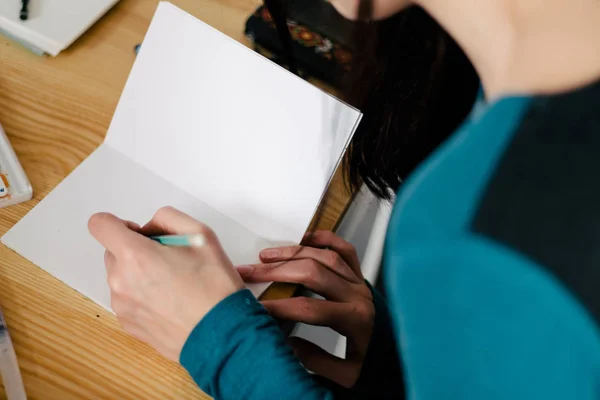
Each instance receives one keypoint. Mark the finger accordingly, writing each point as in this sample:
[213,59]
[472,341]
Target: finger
[171,221]
[109,261]
[337,244]
[134,226]
[328,258]
[310,311]
[114,233]
[306,272]
[317,360]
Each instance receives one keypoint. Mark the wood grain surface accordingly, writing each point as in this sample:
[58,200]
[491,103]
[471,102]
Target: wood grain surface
[55,112]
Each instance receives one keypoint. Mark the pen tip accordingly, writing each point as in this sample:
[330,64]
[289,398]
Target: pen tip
[24,16]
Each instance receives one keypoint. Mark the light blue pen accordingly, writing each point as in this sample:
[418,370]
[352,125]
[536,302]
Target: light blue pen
[195,240]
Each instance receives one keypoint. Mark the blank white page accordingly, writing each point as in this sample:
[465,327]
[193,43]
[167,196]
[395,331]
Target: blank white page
[229,126]
[54,234]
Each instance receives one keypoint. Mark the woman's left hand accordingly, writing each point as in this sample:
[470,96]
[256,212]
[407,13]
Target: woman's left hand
[329,266]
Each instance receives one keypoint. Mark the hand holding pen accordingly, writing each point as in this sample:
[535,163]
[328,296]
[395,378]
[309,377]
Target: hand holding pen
[163,277]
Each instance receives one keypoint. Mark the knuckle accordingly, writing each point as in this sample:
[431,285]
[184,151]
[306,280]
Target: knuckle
[306,308]
[349,247]
[324,233]
[290,252]
[107,258]
[364,311]
[333,258]
[354,255]
[115,283]
[312,272]
[209,235]
[130,255]
[329,236]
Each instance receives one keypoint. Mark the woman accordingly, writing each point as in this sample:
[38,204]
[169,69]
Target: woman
[491,260]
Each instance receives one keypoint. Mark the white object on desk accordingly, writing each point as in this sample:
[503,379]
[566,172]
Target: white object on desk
[14,185]
[208,126]
[53,24]
[9,367]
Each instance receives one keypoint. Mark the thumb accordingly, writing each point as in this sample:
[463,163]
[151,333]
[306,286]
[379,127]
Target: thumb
[317,360]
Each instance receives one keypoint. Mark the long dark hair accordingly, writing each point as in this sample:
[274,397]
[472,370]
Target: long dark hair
[413,84]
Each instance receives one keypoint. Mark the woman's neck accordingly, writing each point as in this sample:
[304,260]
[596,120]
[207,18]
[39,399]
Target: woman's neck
[525,47]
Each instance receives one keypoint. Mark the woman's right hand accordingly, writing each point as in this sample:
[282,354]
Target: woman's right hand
[329,266]
[160,293]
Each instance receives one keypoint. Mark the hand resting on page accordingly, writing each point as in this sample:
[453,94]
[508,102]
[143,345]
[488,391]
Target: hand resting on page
[329,266]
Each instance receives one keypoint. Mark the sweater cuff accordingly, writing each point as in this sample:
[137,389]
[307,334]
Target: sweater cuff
[224,319]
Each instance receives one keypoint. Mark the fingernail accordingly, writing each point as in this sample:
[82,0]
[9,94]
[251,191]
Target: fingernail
[245,270]
[270,253]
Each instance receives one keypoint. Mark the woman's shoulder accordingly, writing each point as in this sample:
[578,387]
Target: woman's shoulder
[523,176]
[492,248]
[472,316]
[524,149]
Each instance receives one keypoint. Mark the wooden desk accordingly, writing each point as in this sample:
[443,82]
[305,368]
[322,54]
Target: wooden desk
[55,112]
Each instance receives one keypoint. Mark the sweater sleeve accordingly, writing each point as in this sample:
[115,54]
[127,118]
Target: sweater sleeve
[238,352]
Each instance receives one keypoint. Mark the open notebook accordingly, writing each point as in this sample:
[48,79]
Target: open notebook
[210,127]
[52,24]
